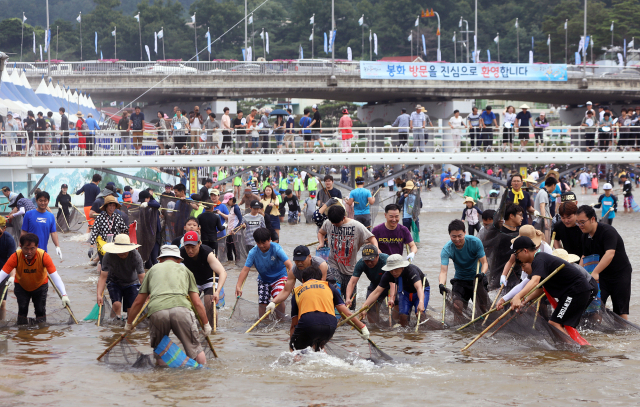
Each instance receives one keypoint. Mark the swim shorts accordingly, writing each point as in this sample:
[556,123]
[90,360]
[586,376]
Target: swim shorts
[268,291]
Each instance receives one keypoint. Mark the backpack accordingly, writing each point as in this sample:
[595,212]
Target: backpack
[84,126]
[30,126]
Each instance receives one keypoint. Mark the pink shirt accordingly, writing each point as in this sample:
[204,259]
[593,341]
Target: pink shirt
[345,125]
[226,121]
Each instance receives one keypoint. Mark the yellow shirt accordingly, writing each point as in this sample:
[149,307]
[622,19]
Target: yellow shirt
[275,211]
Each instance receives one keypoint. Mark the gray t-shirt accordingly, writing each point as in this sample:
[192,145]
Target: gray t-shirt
[123,272]
[253,223]
[345,242]
[315,261]
[542,197]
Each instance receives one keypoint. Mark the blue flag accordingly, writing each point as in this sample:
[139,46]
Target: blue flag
[586,44]
[424,45]
[244,55]
[101,57]
[531,42]
[578,60]
[488,56]
[96,41]
[325,44]
[208,35]
[301,53]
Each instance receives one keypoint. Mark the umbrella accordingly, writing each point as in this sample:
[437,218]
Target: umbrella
[279,112]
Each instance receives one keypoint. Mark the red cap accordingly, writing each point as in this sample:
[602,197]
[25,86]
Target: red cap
[191,238]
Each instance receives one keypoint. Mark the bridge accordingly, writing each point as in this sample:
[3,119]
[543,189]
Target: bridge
[224,80]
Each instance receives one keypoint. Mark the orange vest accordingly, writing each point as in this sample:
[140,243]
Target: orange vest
[31,276]
[314,295]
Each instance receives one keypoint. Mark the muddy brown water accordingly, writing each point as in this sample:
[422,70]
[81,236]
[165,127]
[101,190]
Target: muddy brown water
[56,365]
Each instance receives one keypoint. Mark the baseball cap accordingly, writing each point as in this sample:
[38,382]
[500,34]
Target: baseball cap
[369,252]
[607,186]
[214,191]
[301,253]
[314,106]
[256,204]
[191,238]
[589,103]
[227,196]
[568,197]
[522,242]
[64,186]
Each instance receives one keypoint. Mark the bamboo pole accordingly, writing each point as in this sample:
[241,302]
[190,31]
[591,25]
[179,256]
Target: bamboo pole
[516,314]
[535,317]
[125,334]
[360,332]
[344,321]
[424,281]
[195,311]
[374,195]
[444,304]
[237,298]
[260,320]
[499,292]
[100,309]
[475,291]
[66,306]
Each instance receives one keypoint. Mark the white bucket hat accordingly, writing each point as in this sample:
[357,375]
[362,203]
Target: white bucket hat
[170,250]
[395,261]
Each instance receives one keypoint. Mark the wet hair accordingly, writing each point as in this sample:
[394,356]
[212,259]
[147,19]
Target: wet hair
[588,211]
[456,111]
[512,209]
[311,273]
[262,235]
[335,214]
[43,194]
[180,187]
[96,178]
[550,181]
[239,111]
[488,214]
[456,224]
[568,208]
[391,207]
[29,237]
[328,177]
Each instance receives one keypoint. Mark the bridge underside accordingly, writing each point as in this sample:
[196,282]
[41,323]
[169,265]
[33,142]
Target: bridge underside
[193,87]
[37,163]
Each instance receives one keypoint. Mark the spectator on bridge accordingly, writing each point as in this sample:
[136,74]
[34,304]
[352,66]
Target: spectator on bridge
[345,128]
[523,121]
[240,125]
[41,128]
[81,127]
[264,129]
[417,126]
[290,137]
[278,130]
[180,126]
[589,122]
[541,124]
[316,125]
[252,132]
[474,127]
[161,128]
[64,128]
[305,121]
[211,127]
[195,124]
[456,123]
[605,131]
[29,127]
[509,120]
[402,123]
[589,108]
[11,137]
[123,126]
[226,130]
[488,122]
[136,125]
[93,125]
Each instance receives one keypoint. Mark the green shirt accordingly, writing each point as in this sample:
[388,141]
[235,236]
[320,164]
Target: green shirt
[375,274]
[237,181]
[473,192]
[168,285]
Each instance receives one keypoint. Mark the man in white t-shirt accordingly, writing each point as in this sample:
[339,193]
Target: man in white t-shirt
[467,178]
[457,123]
[535,175]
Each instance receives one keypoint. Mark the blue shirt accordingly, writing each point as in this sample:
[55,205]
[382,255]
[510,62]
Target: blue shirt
[361,195]
[607,202]
[305,121]
[92,124]
[488,117]
[41,224]
[91,192]
[270,265]
[465,259]
[7,248]
[224,209]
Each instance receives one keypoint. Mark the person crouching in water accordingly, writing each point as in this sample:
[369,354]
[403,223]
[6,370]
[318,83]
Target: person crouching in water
[313,321]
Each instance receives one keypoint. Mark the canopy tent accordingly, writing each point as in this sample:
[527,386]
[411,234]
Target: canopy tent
[45,96]
[17,97]
[25,90]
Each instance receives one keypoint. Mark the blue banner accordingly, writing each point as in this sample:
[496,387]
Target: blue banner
[462,72]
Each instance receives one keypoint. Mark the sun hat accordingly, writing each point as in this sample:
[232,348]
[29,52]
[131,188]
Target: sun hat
[409,185]
[530,179]
[469,199]
[109,199]
[79,114]
[524,106]
[395,261]
[170,250]
[532,233]
[227,197]
[121,244]
[565,255]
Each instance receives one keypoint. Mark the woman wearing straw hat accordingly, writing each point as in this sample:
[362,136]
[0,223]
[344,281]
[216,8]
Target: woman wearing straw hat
[122,273]
[108,224]
[472,215]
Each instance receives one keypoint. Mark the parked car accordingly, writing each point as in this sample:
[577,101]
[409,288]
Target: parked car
[28,68]
[108,68]
[165,68]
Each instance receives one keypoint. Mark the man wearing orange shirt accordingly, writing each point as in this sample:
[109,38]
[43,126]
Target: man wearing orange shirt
[33,268]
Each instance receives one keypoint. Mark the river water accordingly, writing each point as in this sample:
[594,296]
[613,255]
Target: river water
[57,365]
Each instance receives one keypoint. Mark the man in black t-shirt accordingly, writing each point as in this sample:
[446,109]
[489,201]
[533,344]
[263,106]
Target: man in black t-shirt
[613,271]
[204,191]
[412,286]
[523,120]
[203,264]
[240,128]
[568,234]
[573,288]
[293,204]
[513,215]
[316,125]
[210,225]
[328,187]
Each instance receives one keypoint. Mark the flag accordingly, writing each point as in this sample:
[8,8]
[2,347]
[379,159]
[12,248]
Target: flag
[113,33]
[375,43]
[333,38]
[439,55]
[262,34]
[113,104]
[250,54]
[312,20]
[438,32]
[310,36]
[101,57]
[146,48]
[193,18]
[161,33]
[410,37]
[625,48]
[417,21]
[301,53]
[549,40]
[612,26]
[96,41]
[369,35]
[349,54]
[137,17]
[251,19]
[454,37]
[516,23]
[488,56]
[208,36]
[24,18]
[530,56]
[46,41]
[478,53]
[586,43]
[460,23]
[497,39]
[79,18]
[42,59]
[34,42]
[631,44]
[155,42]
[581,44]
[326,50]
[244,54]
[620,59]
[267,46]
[565,24]
[424,45]
[361,20]
[531,42]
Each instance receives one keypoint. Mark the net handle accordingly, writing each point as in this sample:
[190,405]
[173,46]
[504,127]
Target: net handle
[195,311]
[66,306]
[125,334]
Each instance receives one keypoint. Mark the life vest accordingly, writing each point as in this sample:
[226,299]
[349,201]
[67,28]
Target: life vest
[31,276]
[312,184]
[283,184]
[237,181]
[222,175]
[314,295]
[298,185]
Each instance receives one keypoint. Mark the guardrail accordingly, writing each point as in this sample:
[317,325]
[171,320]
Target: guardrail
[288,67]
[364,140]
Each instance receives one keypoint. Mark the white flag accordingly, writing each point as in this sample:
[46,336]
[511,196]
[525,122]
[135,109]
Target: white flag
[301,53]
[631,43]
[612,26]
[24,18]
[113,33]
[410,37]
[193,18]
[439,55]
[417,21]
[549,40]
[262,34]
[46,41]
[369,35]
[375,43]
[311,36]
[497,39]
[581,44]
[312,19]
[155,42]
[42,59]
[137,17]
[161,33]
[454,37]
[34,42]
[361,20]
[620,59]
[249,54]
[565,24]
[113,104]
[516,23]
[146,47]
[348,53]
[79,18]
[530,56]
[267,40]
[251,19]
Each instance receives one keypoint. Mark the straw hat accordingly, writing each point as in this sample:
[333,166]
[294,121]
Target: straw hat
[524,106]
[109,199]
[532,233]
[79,114]
[530,179]
[121,244]
[409,185]
[469,199]
[553,173]
[565,255]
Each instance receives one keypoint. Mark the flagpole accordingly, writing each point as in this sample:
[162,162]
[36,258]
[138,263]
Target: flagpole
[195,33]
[370,47]
[162,29]
[549,42]
[362,34]
[56,42]
[313,34]
[253,35]
[584,51]
[264,49]
[140,32]
[439,56]
[518,38]
[498,35]
[566,48]
[418,37]
[80,36]
[48,42]
[612,37]
[411,36]
[22,41]
[333,28]
[591,41]
[115,43]
[245,27]
[455,51]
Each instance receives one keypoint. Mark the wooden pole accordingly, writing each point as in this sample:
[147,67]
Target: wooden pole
[260,320]
[374,195]
[100,310]
[66,306]
[361,310]
[360,331]
[124,335]
[195,311]
[237,298]
[424,281]
[475,291]
[515,315]
[500,291]
[486,330]
[390,314]
[444,305]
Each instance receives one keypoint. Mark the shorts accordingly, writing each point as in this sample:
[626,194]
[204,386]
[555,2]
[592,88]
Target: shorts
[364,219]
[182,322]
[275,221]
[137,137]
[293,216]
[289,137]
[570,309]
[87,212]
[523,133]
[627,201]
[619,291]
[585,185]
[406,302]
[314,336]
[126,295]
[316,134]
[307,137]
[268,291]
[462,290]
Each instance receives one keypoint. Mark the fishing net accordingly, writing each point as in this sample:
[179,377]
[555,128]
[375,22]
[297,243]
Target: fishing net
[73,223]
[175,216]
[240,247]
[16,229]
[55,315]
[337,349]
[245,313]
[146,220]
